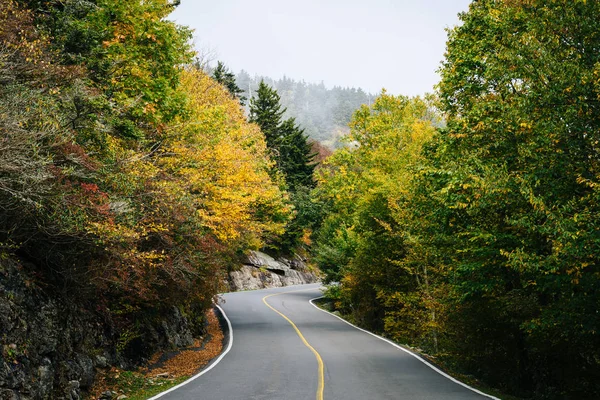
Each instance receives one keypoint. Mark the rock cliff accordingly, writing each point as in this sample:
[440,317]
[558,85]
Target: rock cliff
[261,271]
[52,347]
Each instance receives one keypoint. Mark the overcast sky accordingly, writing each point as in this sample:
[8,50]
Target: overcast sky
[372,44]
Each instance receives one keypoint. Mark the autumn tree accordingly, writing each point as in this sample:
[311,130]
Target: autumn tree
[125,178]
[363,241]
[130,50]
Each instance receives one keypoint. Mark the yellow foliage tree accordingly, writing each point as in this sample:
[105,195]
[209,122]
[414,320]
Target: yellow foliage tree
[201,193]
[223,161]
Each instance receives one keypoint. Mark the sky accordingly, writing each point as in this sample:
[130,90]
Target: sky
[372,44]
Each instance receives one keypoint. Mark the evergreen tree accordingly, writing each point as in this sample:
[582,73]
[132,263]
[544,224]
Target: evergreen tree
[296,156]
[266,112]
[288,144]
[227,78]
[293,156]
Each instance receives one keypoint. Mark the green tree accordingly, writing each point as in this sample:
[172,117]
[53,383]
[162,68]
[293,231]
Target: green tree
[363,241]
[130,50]
[516,183]
[227,78]
[289,146]
[293,158]
[296,156]
[266,111]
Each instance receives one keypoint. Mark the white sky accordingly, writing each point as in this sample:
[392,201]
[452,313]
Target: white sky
[372,44]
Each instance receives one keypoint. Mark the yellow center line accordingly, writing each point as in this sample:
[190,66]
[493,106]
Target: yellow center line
[321,386]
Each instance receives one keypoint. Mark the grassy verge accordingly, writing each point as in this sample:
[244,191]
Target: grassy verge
[135,385]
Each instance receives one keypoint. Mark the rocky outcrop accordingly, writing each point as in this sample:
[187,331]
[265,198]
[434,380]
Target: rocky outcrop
[263,271]
[52,348]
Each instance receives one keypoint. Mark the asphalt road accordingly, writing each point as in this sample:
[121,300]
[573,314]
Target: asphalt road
[269,360]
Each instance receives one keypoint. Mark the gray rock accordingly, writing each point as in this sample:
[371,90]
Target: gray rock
[106,395]
[72,391]
[176,329]
[45,377]
[51,345]
[5,375]
[258,259]
[100,362]
[263,271]
[87,372]
[7,394]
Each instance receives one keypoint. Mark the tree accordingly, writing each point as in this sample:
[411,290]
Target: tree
[363,241]
[296,156]
[293,158]
[123,221]
[266,112]
[227,78]
[516,179]
[130,50]
[286,140]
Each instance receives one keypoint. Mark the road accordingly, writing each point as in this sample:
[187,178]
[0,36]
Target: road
[269,360]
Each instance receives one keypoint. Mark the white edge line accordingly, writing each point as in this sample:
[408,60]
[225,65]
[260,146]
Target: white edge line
[212,365]
[433,367]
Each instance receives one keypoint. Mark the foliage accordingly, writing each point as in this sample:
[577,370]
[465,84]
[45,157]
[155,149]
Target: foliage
[224,160]
[126,180]
[524,130]
[130,50]
[366,186]
[226,78]
[137,386]
[481,243]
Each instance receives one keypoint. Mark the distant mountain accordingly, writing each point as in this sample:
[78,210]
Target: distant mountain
[323,113]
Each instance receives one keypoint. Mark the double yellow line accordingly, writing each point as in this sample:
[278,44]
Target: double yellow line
[321,386]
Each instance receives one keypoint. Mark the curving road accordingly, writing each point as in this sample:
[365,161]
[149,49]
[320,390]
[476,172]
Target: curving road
[268,358]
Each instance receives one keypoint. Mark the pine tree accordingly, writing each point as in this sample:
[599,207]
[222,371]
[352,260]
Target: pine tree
[296,156]
[288,144]
[266,112]
[293,157]
[227,78]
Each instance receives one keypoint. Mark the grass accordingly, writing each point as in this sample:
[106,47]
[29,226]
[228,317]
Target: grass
[136,386]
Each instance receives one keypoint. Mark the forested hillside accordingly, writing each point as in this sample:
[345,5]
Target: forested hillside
[123,172]
[323,113]
[479,242]
[130,182]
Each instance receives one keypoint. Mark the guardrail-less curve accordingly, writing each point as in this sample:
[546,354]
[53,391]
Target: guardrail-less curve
[321,386]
